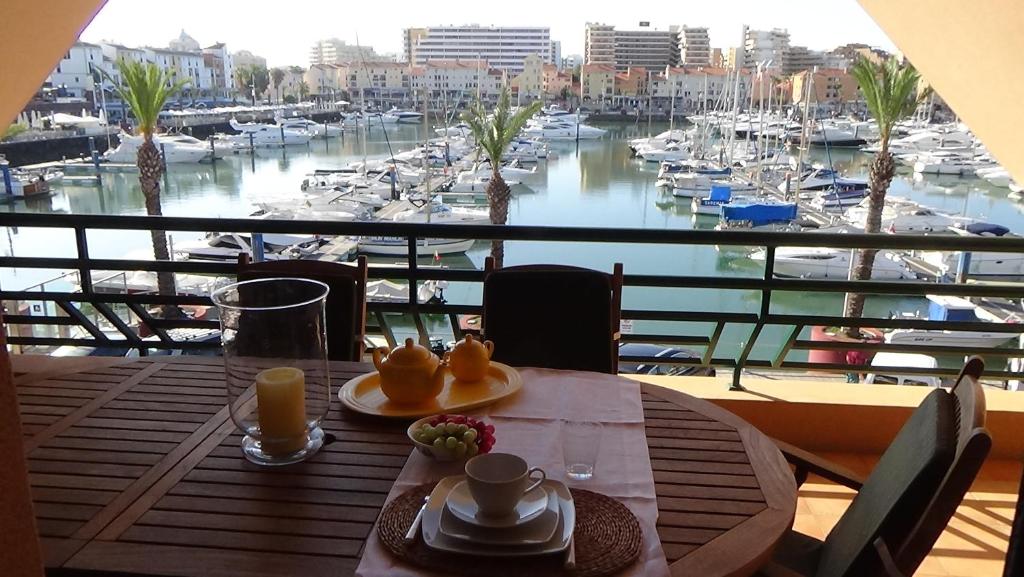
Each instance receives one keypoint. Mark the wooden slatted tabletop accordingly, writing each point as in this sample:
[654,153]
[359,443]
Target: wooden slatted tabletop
[135,467]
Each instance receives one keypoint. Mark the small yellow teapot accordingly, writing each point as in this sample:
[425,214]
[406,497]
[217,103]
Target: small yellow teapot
[410,374]
[469,359]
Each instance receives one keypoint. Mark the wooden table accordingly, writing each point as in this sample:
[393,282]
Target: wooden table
[135,467]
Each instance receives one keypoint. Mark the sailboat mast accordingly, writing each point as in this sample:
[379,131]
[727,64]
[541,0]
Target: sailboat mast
[672,105]
[805,134]
[650,103]
[736,92]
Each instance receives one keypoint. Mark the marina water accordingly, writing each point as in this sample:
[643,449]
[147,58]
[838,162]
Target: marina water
[594,184]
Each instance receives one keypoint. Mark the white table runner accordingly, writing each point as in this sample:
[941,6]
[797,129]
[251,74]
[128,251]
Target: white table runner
[529,425]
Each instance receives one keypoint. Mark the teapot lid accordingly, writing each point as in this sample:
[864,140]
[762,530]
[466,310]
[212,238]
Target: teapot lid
[409,354]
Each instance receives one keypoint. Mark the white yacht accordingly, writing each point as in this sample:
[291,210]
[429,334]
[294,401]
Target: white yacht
[474,182]
[556,113]
[227,247]
[950,308]
[902,216]
[263,135]
[396,116]
[698,185]
[562,131]
[995,175]
[670,152]
[660,140]
[174,150]
[835,138]
[399,246]
[444,214]
[829,263]
[317,129]
[956,163]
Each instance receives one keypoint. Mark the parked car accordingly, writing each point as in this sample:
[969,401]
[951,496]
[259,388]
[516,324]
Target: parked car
[660,351]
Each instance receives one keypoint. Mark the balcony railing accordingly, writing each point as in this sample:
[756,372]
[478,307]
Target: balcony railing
[764,285]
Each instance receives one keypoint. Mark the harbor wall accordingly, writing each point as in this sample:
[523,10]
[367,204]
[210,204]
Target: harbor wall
[20,153]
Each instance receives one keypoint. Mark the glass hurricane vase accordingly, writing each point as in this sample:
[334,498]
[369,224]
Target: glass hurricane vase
[275,361]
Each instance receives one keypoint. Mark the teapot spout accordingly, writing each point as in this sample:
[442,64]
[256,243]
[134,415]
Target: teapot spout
[378,354]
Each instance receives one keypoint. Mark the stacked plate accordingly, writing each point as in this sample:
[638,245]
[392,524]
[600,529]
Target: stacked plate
[542,523]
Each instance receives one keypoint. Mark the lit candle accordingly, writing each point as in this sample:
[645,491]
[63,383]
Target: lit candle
[281,402]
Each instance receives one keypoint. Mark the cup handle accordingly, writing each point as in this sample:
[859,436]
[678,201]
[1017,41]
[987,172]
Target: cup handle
[490,348]
[543,477]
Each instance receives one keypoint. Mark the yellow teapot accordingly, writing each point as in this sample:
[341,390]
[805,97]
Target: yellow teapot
[410,374]
[469,359]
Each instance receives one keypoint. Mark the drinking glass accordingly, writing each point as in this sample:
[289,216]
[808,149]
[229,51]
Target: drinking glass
[275,362]
[581,443]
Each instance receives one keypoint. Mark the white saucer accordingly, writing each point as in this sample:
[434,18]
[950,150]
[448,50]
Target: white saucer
[461,503]
[435,539]
[536,532]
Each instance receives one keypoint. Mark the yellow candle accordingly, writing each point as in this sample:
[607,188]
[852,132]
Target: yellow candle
[281,402]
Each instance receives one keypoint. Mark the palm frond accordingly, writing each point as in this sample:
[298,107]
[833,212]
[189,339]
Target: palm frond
[493,133]
[145,88]
[890,91]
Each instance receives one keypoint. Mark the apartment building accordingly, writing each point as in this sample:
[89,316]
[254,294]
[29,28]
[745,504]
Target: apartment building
[625,49]
[800,58]
[694,46]
[597,82]
[692,86]
[335,51]
[73,73]
[502,47]
[765,46]
[829,86]
[457,80]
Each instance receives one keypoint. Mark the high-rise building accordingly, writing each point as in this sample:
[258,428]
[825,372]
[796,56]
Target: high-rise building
[799,59]
[502,47]
[334,51]
[625,49]
[765,46]
[556,54]
[717,58]
[694,46]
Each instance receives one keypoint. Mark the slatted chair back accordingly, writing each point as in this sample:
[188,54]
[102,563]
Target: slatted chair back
[897,493]
[553,316]
[20,554]
[972,447]
[345,309]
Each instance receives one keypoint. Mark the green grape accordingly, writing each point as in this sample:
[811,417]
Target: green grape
[427,429]
[419,436]
[460,450]
[439,443]
[451,428]
[472,449]
[462,429]
[450,442]
[469,436]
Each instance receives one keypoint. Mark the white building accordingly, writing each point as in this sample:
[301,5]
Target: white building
[556,54]
[457,79]
[335,51]
[764,45]
[73,73]
[502,47]
[687,85]
[571,61]
[221,68]
[183,65]
[184,43]
[694,46]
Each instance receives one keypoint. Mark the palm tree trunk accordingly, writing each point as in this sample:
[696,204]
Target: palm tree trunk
[883,168]
[150,169]
[498,195]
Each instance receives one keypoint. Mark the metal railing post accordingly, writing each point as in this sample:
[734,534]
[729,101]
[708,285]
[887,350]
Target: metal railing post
[84,270]
[766,304]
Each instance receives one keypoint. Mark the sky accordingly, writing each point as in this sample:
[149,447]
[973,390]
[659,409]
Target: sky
[284,32]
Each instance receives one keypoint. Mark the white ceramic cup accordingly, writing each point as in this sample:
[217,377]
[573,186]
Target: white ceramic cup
[498,481]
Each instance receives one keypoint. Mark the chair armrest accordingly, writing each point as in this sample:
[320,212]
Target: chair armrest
[807,462]
[887,562]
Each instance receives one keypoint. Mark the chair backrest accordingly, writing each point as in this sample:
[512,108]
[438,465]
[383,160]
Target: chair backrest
[897,493]
[552,316]
[346,303]
[972,447]
[20,555]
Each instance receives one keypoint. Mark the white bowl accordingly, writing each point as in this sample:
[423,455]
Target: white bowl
[429,450]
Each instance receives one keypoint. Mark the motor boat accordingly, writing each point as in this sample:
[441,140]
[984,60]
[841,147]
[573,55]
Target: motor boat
[557,113]
[825,179]
[829,263]
[474,182]
[671,152]
[562,131]
[399,246]
[758,215]
[317,129]
[833,200]
[670,168]
[926,141]
[992,265]
[263,135]
[173,149]
[902,216]
[526,150]
[834,137]
[396,116]
[227,246]
[954,163]
[697,185]
[29,184]
[995,175]
[884,359]
[440,213]
[950,308]
[509,171]
[657,141]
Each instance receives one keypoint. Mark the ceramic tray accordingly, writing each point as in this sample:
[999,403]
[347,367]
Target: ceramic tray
[362,394]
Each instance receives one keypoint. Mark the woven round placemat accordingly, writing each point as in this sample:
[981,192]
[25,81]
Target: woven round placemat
[608,539]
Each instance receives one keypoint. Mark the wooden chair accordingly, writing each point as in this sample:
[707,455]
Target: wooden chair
[904,505]
[346,303]
[556,317]
[20,555]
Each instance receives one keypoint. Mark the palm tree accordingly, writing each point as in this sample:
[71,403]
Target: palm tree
[891,92]
[145,88]
[493,134]
[303,90]
[277,75]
